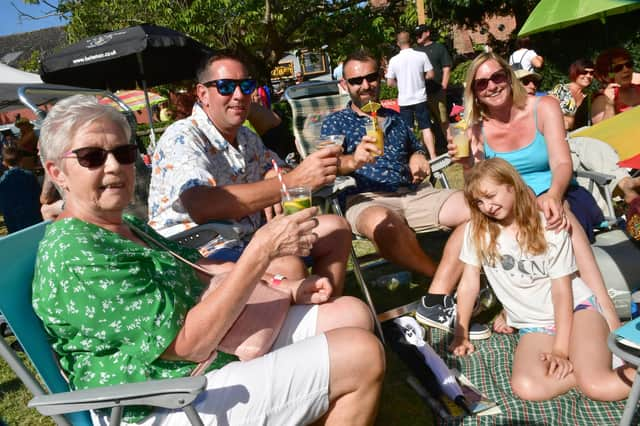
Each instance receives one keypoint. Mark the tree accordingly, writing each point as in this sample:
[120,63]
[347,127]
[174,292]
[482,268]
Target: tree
[263,30]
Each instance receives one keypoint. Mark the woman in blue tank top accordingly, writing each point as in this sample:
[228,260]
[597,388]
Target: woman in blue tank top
[529,133]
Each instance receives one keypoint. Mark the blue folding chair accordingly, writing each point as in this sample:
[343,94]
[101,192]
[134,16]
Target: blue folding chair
[55,399]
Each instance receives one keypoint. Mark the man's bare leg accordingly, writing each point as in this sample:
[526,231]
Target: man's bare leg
[394,240]
[330,254]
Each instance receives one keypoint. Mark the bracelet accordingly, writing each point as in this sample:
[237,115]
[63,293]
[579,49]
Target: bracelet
[277,279]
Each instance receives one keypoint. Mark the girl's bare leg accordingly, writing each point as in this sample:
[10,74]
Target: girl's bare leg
[592,360]
[529,379]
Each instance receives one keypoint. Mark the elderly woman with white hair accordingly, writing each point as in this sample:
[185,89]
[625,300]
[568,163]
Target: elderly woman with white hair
[119,308]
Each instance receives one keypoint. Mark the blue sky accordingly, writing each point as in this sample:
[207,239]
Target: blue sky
[10,23]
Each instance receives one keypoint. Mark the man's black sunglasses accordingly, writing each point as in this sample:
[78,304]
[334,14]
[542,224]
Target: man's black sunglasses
[92,157]
[356,81]
[618,67]
[226,86]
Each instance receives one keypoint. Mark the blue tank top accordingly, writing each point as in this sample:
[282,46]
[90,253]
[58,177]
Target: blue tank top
[531,161]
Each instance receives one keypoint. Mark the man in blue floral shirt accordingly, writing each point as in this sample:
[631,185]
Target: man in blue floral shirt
[393,198]
[209,167]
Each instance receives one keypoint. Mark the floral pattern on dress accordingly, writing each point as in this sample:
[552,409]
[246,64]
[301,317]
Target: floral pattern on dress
[193,153]
[563,94]
[111,306]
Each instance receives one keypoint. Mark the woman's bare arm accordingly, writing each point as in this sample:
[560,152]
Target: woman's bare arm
[208,321]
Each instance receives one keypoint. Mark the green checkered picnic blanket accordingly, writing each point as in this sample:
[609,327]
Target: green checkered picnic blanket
[489,369]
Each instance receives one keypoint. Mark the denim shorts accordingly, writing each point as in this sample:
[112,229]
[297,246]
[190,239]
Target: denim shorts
[421,113]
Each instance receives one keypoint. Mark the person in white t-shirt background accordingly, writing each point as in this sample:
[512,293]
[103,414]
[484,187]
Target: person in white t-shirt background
[408,70]
[524,57]
[532,271]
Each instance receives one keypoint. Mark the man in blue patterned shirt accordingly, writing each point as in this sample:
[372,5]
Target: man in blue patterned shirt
[393,198]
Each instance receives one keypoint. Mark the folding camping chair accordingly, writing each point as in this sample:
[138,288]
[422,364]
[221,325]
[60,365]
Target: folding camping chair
[55,399]
[310,104]
[614,251]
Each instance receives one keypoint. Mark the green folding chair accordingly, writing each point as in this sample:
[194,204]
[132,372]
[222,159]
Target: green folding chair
[55,398]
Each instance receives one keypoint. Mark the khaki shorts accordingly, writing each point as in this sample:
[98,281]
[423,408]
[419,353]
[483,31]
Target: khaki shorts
[420,208]
[437,103]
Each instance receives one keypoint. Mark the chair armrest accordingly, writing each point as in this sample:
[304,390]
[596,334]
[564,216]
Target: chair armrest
[439,163]
[202,234]
[340,184]
[169,393]
[600,179]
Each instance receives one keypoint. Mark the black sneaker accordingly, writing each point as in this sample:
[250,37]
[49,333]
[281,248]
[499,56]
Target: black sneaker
[444,317]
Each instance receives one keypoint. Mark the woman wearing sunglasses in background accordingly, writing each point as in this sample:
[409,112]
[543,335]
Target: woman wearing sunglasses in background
[528,132]
[574,102]
[614,69]
[120,309]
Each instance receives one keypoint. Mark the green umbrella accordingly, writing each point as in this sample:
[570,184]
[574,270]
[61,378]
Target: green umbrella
[557,14]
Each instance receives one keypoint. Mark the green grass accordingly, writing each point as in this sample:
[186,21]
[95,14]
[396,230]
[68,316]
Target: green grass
[399,404]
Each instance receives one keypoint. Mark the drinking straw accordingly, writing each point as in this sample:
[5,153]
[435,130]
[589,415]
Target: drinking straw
[277,169]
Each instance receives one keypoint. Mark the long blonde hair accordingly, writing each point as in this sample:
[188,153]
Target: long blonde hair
[530,228]
[473,109]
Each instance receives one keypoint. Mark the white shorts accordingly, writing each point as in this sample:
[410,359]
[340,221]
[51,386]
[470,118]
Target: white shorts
[287,386]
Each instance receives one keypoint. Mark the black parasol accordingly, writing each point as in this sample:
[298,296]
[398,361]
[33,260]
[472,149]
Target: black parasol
[145,55]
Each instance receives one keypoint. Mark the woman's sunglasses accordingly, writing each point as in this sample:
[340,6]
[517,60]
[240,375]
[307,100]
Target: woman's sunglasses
[498,77]
[618,67]
[226,86]
[528,80]
[356,81]
[92,157]
[588,72]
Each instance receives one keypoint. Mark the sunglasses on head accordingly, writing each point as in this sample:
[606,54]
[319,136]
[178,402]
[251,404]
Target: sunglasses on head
[226,86]
[92,157]
[498,77]
[619,67]
[356,81]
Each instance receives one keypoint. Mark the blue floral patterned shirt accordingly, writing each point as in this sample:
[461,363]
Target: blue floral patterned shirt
[390,171]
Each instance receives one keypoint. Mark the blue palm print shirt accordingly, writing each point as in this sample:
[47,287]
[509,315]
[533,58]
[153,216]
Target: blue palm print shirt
[390,171]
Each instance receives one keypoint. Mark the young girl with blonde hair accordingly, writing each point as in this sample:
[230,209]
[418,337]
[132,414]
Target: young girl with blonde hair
[533,273]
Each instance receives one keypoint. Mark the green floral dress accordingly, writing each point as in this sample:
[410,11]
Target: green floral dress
[111,306]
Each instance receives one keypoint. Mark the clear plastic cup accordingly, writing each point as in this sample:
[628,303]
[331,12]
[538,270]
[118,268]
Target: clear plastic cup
[329,141]
[375,130]
[295,199]
[461,141]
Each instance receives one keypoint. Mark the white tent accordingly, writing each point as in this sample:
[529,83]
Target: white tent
[12,75]
[11,79]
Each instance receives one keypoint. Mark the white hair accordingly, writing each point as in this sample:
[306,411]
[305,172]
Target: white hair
[69,115]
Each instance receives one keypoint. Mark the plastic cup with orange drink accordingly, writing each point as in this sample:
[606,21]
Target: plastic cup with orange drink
[372,126]
[460,139]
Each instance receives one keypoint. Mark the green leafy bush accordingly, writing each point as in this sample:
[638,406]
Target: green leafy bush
[387,92]
[459,73]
